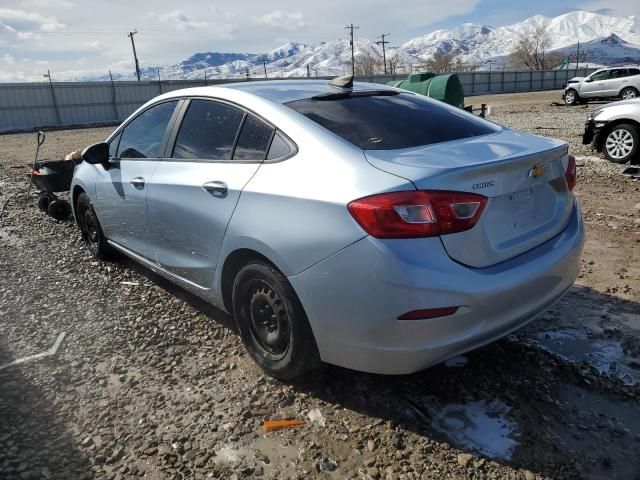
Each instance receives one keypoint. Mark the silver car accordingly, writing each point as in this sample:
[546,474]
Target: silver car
[617,82]
[614,129]
[354,224]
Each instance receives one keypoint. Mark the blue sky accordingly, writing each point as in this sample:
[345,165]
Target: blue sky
[86,36]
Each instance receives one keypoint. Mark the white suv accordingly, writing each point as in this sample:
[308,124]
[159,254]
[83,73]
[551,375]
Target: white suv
[618,82]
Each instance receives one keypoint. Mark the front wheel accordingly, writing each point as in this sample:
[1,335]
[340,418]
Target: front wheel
[91,230]
[621,143]
[272,323]
[628,93]
[571,97]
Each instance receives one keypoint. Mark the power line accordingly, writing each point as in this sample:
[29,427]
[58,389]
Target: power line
[353,58]
[135,56]
[383,42]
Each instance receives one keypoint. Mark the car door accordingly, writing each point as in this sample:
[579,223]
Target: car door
[614,82]
[121,189]
[593,85]
[213,153]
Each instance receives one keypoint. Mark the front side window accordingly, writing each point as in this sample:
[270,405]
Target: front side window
[391,121]
[208,131]
[602,75]
[142,137]
[113,145]
[254,140]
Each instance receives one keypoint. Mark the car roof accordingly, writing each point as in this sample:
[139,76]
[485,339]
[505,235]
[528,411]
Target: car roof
[280,91]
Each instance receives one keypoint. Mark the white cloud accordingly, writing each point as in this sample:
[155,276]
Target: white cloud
[181,21]
[21,20]
[8,59]
[47,4]
[617,8]
[282,20]
[95,45]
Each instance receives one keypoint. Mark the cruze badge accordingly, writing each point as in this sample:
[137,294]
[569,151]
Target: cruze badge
[536,171]
[489,184]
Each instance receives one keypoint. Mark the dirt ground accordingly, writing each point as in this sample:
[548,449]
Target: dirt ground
[149,381]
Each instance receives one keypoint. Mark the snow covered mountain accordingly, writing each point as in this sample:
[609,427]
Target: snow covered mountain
[603,40]
[479,43]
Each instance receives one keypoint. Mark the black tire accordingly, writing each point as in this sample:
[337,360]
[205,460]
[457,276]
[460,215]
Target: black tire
[571,97]
[621,143]
[43,202]
[59,209]
[272,323]
[91,230]
[628,93]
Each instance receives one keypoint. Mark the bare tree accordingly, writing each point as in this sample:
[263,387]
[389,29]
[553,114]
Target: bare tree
[532,52]
[367,64]
[442,62]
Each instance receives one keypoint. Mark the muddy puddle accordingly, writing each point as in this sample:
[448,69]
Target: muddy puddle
[605,355]
[482,427]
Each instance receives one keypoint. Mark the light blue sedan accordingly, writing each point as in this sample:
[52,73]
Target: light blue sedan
[355,224]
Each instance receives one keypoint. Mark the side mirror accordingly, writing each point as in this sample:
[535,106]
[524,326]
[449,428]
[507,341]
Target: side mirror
[96,153]
[588,80]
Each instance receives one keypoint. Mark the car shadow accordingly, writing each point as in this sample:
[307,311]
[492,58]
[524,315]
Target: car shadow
[34,440]
[514,402]
[202,306]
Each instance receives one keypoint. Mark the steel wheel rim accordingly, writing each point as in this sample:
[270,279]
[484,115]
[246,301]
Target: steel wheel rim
[269,322]
[90,228]
[569,97]
[627,94]
[619,143]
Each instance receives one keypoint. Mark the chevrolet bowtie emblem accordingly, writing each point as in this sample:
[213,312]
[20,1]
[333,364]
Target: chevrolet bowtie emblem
[536,171]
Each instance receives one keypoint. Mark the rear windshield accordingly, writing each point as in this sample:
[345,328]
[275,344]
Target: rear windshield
[391,122]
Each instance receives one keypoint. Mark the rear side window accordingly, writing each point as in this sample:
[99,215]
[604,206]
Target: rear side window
[142,137]
[279,148]
[254,139]
[618,73]
[391,122]
[634,71]
[208,131]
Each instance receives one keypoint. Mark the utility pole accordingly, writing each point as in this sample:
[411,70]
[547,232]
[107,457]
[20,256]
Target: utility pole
[264,65]
[135,56]
[353,58]
[578,55]
[53,96]
[383,42]
[308,71]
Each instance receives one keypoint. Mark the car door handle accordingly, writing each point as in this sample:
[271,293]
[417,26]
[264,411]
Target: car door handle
[137,182]
[216,188]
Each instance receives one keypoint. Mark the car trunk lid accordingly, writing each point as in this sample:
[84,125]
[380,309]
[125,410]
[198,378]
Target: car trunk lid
[522,175]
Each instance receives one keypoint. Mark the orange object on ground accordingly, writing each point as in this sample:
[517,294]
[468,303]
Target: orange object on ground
[270,425]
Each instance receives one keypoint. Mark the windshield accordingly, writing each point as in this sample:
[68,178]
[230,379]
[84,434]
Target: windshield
[386,122]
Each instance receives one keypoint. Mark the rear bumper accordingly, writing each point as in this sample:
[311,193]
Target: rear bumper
[353,299]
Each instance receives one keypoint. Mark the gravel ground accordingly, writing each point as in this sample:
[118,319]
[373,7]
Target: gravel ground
[151,382]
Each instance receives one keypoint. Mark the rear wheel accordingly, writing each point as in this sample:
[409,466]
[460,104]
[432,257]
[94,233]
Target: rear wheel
[571,97]
[628,93]
[621,143]
[91,230]
[272,323]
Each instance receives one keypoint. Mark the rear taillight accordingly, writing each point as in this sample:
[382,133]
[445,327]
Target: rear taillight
[571,173]
[417,213]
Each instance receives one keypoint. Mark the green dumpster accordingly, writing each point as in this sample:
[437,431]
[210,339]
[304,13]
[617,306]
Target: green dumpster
[446,88]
